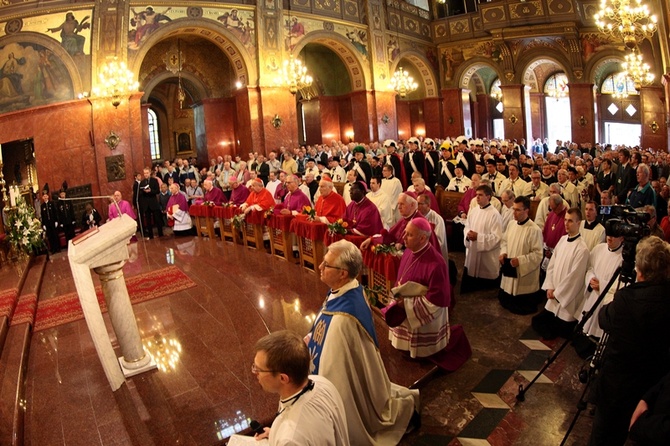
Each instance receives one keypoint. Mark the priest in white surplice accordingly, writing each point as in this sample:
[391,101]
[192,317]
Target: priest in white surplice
[564,282]
[344,349]
[382,201]
[590,228]
[521,246]
[482,234]
[605,259]
[392,186]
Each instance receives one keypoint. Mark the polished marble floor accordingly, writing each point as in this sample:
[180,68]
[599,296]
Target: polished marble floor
[207,390]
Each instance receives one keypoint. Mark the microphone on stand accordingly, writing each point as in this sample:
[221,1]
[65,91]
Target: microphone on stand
[256,427]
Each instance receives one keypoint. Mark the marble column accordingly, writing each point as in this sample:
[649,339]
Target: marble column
[582,111]
[514,111]
[654,126]
[122,316]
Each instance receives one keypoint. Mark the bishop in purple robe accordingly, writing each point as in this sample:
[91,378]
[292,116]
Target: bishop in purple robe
[294,200]
[361,214]
[239,193]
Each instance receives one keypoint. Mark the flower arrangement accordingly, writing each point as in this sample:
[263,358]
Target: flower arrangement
[338,227]
[24,230]
[384,249]
[238,221]
[269,213]
[208,203]
[310,212]
[377,296]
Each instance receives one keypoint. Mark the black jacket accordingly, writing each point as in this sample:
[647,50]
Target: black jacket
[638,350]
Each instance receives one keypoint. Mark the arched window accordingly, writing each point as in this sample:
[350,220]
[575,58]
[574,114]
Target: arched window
[618,85]
[557,86]
[153,136]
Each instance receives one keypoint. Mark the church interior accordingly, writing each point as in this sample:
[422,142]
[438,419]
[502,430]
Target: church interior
[92,92]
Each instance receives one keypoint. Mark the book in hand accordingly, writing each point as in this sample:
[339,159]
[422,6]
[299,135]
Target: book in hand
[241,440]
[507,269]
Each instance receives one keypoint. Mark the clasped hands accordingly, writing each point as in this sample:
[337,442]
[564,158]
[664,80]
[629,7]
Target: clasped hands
[514,261]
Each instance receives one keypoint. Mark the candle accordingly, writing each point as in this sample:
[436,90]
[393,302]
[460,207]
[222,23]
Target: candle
[12,198]
[0,153]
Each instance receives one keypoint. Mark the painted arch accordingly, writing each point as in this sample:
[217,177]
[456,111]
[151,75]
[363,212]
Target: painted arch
[479,71]
[359,74]
[242,63]
[424,68]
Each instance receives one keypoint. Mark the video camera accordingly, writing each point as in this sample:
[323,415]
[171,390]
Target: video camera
[626,222]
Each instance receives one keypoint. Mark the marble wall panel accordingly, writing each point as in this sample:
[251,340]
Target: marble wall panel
[514,111]
[360,118]
[346,118]
[387,124]
[654,126]
[220,127]
[404,120]
[330,119]
[311,111]
[484,127]
[537,113]
[69,142]
[416,118]
[280,102]
[582,108]
[244,123]
[452,112]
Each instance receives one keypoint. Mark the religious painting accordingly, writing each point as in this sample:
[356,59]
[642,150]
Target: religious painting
[183,141]
[241,24]
[144,21]
[71,29]
[295,31]
[116,168]
[31,75]
[358,37]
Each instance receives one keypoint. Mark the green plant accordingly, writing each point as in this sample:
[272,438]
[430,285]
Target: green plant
[24,230]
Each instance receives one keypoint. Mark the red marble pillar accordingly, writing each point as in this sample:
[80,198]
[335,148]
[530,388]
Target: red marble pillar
[537,116]
[654,127]
[404,119]
[484,123]
[432,117]
[215,127]
[665,80]
[454,114]
[330,119]
[277,102]
[387,122]
[514,111]
[362,114]
[582,112]
[247,125]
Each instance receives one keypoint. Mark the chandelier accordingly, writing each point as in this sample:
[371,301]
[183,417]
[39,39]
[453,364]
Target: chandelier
[627,20]
[637,70]
[114,81]
[403,83]
[174,63]
[295,76]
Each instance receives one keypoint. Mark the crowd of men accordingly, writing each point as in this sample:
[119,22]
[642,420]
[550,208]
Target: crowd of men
[561,259]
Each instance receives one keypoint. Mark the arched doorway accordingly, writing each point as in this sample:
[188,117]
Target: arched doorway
[477,80]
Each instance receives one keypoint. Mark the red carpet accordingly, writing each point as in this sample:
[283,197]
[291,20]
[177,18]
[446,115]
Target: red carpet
[66,308]
[8,302]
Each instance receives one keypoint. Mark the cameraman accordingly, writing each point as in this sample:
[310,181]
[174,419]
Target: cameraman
[637,353]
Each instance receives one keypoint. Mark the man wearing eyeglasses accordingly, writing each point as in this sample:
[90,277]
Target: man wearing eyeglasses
[344,349]
[310,408]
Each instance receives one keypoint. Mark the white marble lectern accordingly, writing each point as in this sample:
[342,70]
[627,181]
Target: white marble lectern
[106,252]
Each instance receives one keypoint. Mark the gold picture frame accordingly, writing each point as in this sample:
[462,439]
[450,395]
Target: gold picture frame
[183,140]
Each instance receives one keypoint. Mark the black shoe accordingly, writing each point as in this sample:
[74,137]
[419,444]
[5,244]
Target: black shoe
[414,423]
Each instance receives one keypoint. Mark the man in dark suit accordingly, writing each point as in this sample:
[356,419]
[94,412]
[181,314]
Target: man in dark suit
[171,173]
[432,158]
[626,179]
[150,210]
[66,218]
[263,169]
[414,160]
[49,215]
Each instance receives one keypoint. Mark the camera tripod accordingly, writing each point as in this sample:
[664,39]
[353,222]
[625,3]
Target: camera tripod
[593,364]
